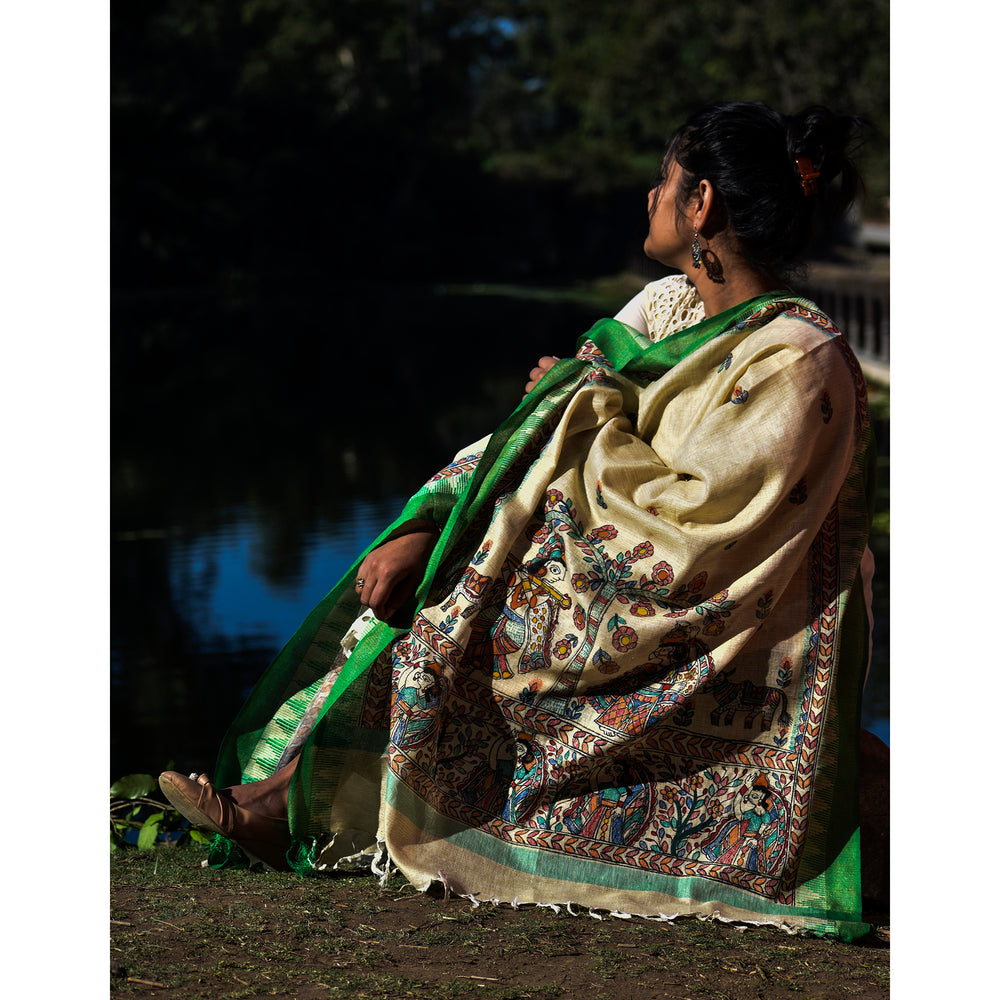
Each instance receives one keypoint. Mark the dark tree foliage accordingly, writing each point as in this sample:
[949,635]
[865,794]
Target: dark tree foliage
[436,138]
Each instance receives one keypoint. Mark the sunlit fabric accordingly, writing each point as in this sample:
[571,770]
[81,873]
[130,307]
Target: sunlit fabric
[631,678]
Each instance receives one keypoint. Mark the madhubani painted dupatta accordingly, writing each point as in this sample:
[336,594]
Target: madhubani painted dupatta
[631,677]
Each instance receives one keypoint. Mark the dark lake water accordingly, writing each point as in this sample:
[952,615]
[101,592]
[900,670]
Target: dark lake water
[259,442]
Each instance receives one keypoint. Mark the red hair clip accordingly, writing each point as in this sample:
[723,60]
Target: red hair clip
[808,175]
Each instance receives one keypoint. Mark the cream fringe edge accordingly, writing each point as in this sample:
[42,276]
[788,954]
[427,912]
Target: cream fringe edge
[377,860]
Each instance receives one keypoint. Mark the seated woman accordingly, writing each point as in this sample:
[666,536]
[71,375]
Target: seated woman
[614,656]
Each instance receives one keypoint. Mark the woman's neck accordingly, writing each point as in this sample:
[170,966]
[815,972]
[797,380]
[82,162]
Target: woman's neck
[734,288]
[726,278]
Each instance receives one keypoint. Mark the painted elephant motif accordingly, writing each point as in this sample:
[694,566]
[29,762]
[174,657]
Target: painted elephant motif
[752,700]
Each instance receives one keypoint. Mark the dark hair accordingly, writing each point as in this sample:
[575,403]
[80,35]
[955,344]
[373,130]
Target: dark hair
[748,151]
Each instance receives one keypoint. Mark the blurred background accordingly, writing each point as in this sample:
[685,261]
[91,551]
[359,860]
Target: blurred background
[342,233]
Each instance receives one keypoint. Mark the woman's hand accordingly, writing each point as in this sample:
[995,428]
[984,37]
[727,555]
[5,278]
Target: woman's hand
[389,575]
[544,364]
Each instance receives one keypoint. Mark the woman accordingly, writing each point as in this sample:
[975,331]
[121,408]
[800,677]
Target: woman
[597,638]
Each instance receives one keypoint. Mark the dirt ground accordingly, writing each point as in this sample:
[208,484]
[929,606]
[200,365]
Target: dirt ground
[183,932]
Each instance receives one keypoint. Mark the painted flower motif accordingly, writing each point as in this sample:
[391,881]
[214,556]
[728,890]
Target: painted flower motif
[642,551]
[699,581]
[785,673]
[684,715]
[604,663]
[655,511]
[579,617]
[714,626]
[715,809]
[604,533]
[553,497]
[826,407]
[673,794]
[580,582]
[764,604]
[642,609]
[681,632]
[528,694]
[740,395]
[564,647]
[662,573]
[624,638]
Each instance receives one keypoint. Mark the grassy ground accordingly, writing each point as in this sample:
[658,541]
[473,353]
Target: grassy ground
[179,930]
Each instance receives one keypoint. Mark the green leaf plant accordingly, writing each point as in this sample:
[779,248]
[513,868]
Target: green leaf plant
[133,807]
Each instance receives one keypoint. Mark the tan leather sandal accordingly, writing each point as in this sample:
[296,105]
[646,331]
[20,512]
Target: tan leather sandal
[260,837]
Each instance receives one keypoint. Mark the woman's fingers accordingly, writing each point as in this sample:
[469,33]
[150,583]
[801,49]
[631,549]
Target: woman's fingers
[536,373]
[377,590]
[389,576]
[381,599]
[388,598]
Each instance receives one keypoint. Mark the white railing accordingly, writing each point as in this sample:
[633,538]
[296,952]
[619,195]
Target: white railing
[859,305]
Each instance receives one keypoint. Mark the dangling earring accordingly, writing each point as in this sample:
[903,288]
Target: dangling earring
[696,250]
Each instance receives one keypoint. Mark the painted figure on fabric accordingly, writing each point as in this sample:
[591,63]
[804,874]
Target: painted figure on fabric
[505,779]
[528,618]
[527,781]
[749,839]
[415,697]
[618,808]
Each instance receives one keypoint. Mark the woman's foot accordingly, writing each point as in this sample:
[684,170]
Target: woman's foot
[268,796]
[262,837]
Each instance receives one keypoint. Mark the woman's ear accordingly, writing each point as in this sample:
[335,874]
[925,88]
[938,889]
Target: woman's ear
[704,207]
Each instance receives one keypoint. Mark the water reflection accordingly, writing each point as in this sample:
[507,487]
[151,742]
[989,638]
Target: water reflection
[258,448]
[214,613]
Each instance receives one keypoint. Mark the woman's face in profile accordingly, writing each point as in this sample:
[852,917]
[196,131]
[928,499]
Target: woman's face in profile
[666,242]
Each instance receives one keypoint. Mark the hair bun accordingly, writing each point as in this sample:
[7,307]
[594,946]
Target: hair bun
[761,163]
[825,139]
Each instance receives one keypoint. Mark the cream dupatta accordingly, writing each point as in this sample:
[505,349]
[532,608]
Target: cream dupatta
[632,675]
